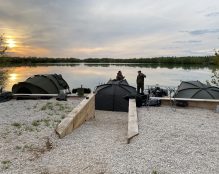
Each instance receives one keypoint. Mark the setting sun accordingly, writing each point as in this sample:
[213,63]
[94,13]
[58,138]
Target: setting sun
[11,43]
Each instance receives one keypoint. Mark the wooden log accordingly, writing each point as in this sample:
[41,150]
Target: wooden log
[83,112]
[132,120]
[210,104]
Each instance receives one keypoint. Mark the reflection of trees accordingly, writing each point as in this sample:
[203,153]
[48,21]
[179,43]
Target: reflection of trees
[3,48]
[3,77]
[97,64]
[57,64]
[150,65]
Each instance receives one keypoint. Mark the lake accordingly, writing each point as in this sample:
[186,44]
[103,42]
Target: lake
[91,75]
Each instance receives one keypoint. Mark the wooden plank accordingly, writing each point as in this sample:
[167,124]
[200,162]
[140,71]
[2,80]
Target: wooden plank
[195,104]
[83,112]
[43,95]
[132,120]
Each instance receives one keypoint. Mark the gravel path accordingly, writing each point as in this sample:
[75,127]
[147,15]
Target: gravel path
[183,141]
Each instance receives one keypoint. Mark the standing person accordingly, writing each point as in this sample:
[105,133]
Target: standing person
[140,82]
[119,76]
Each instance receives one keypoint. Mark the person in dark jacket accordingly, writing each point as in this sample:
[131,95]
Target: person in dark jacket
[119,76]
[140,82]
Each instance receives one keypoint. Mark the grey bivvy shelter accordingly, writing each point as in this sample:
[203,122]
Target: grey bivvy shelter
[114,95]
[41,84]
[196,90]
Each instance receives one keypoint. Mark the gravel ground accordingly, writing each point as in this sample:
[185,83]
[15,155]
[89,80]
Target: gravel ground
[27,131]
[183,141]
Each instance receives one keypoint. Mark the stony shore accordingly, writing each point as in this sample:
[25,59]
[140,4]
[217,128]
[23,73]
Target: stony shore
[169,141]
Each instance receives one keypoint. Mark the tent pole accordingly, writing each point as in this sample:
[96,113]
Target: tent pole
[185,99]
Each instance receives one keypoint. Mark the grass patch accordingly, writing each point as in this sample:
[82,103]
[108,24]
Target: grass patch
[19,133]
[57,121]
[28,128]
[61,108]
[36,123]
[27,147]
[46,122]
[63,116]
[18,147]
[18,125]
[6,164]
[48,106]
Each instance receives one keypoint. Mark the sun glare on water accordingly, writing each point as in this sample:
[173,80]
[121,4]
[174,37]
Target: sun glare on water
[11,43]
[13,76]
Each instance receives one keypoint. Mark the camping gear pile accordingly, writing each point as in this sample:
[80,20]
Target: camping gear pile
[157,92]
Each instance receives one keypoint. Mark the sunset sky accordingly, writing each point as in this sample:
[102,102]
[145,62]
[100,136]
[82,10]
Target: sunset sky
[110,28]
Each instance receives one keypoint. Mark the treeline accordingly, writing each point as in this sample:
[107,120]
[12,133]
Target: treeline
[206,60]
[160,60]
[35,60]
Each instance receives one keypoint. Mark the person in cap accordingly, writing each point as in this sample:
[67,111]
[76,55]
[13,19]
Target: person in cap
[140,82]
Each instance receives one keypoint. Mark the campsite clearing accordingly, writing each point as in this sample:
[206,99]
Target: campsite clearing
[181,141]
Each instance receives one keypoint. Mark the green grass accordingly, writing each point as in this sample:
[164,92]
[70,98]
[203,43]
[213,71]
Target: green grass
[18,125]
[36,123]
[63,116]
[46,122]
[48,106]
[6,164]
[18,147]
[28,128]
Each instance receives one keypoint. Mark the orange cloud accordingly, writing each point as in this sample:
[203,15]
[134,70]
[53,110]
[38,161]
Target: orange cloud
[29,51]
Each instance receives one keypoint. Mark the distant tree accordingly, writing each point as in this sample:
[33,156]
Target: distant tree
[3,48]
[215,76]
[216,58]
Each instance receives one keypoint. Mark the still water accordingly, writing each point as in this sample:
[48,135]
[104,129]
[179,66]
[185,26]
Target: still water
[91,75]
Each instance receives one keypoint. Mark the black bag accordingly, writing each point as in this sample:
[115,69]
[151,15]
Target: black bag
[181,103]
[141,100]
[154,102]
[5,96]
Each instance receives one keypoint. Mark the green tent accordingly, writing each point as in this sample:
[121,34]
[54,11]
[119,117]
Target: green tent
[41,84]
[197,90]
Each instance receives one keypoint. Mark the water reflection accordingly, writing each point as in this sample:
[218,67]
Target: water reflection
[3,77]
[91,75]
[149,65]
[12,77]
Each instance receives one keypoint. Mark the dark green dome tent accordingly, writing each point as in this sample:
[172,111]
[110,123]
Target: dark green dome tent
[41,84]
[197,90]
[113,95]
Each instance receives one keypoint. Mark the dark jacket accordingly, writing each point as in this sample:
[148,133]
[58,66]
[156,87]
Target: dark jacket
[119,76]
[140,78]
